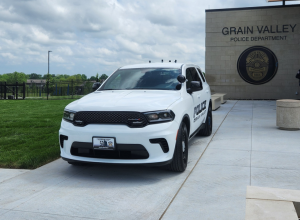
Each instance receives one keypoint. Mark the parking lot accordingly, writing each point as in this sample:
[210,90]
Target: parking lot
[245,149]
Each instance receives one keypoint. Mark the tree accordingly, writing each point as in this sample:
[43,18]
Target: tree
[93,78]
[76,77]
[34,76]
[83,77]
[14,77]
[103,76]
[3,78]
[97,77]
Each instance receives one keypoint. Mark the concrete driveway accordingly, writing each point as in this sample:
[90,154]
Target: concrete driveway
[245,149]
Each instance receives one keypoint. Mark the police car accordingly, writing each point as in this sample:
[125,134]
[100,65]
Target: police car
[142,114]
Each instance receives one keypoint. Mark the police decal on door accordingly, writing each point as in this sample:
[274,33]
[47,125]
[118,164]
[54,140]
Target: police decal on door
[201,108]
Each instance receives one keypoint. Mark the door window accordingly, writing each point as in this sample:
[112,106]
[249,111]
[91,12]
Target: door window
[189,78]
[191,75]
[195,75]
[201,74]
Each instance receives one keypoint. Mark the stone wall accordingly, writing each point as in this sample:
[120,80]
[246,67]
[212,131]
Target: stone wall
[223,50]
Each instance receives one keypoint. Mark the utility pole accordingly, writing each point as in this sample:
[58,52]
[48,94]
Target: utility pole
[48,78]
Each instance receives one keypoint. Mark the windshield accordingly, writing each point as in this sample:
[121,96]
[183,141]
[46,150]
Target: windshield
[143,78]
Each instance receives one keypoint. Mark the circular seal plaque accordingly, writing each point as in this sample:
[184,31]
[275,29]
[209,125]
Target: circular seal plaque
[257,65]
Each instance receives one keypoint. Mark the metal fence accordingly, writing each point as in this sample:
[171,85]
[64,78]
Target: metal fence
[12,91]
[59,90]
[56,90]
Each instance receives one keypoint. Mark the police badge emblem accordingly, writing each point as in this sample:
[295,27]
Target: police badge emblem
[257,65]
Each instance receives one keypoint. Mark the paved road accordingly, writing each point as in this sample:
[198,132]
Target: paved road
[245,149]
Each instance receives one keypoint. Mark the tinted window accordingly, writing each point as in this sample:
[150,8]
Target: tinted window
[143,78]
[189,78]
[201,74]
[195,75]
[191,75]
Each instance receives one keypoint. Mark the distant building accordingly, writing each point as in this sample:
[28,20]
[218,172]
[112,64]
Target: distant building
[37,82]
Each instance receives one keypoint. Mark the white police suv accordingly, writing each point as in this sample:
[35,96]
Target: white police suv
[142,114]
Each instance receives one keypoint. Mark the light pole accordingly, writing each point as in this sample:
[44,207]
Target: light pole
[48,78]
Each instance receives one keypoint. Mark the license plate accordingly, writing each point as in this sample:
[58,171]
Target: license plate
[103,143]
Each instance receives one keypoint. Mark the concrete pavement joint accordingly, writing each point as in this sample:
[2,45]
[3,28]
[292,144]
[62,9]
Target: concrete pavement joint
[196,163]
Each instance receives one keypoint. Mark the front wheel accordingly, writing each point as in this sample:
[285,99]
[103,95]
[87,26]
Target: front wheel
[180,157]
[207,130]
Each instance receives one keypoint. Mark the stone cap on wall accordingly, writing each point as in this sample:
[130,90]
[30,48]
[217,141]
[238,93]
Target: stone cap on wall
[289,103]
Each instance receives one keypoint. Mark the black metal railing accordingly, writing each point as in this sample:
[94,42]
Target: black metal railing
[12,91]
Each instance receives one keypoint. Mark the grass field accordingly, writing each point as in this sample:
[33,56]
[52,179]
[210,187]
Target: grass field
[29,132]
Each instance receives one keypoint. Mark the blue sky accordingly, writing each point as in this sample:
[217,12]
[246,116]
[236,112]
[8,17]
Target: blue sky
[90,37]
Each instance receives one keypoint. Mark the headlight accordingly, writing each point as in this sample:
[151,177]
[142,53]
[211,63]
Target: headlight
[160,116]
[69,115]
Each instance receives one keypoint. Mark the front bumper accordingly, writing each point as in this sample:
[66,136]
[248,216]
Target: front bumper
[123,135]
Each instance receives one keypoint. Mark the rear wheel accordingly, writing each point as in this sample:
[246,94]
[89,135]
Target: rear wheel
[207,130]
[180,157]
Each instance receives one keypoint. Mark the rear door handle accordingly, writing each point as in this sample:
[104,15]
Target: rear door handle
[199,96]
[206,91]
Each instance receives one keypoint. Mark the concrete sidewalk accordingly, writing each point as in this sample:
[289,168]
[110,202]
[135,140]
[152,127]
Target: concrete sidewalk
[245,149]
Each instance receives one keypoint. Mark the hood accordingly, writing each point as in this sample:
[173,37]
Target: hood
[126,100]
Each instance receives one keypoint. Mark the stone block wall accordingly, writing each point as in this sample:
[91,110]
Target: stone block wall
[224,50]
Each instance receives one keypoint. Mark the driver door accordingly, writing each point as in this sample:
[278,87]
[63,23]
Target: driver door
[192,75]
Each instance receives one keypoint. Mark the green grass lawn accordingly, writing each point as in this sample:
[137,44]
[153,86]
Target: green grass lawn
[29,132]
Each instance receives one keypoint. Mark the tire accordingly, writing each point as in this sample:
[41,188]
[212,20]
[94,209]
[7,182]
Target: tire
[180,157]
[207,130]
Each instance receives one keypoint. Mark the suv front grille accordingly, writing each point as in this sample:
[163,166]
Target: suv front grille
[131,119]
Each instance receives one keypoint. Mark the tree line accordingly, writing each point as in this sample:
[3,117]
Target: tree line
[22,77]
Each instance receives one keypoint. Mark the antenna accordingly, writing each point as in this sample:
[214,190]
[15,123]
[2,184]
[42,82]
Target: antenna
[149,61]
[175,61]
[162,61]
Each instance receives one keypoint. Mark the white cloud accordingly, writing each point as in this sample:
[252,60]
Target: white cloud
[8,55]
[102,35]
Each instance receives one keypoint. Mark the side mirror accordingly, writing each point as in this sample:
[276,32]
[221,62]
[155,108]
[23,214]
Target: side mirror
[96,85]
[195,86]
[181,78]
